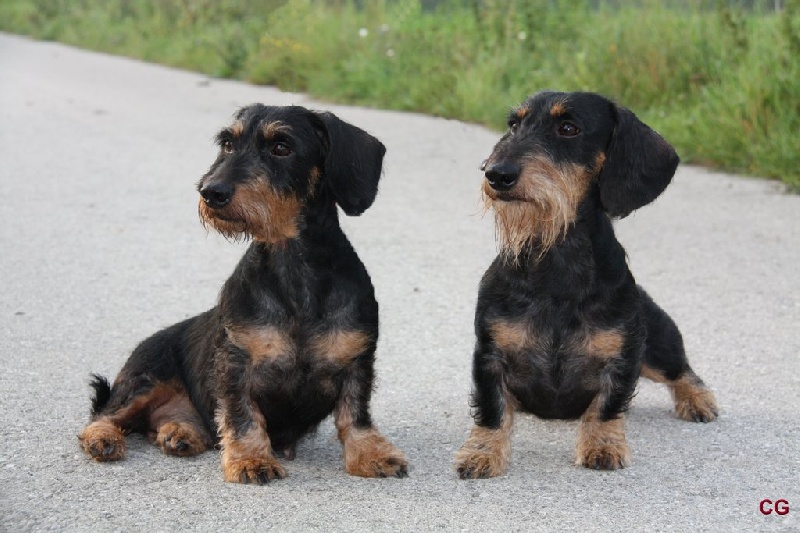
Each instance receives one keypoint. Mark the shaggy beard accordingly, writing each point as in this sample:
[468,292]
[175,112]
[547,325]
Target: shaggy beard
[541,212]
[257,213]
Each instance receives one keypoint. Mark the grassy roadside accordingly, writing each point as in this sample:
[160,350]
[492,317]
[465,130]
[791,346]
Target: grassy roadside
[721,83]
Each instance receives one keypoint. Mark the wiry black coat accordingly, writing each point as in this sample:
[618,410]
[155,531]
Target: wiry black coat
[562,329]
[293,335]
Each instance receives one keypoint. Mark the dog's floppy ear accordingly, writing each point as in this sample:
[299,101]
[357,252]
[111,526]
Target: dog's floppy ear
[638,167]
[353,164]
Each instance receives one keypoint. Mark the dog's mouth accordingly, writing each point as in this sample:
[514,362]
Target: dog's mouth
[492,195]
[220,215]
[508,198]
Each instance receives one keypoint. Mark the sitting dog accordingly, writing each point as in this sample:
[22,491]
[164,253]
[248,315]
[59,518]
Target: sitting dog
[293,335]
[563,331]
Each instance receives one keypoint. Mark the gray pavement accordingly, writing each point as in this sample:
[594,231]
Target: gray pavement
[101,245]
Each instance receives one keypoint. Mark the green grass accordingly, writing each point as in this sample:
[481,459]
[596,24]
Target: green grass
[721,83]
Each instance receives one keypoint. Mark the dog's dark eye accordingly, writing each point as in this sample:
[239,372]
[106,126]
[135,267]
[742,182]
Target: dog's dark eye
[280,150]
[568,129]
[513,125]
[227,147]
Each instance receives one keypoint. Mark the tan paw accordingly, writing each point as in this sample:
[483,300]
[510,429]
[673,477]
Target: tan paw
[472,463]
[695,403]
[605,456]
[486,452]
[103,441]
[368,454]
[175,438]
[258,470]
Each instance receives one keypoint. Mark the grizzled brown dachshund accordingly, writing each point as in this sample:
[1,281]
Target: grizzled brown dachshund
[563,331]
[292,338]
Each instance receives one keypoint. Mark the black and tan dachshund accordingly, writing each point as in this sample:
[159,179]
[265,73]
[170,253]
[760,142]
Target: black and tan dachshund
[292,338]
[563,331]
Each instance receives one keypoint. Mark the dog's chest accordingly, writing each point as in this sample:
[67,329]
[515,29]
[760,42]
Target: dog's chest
[289,357]
[552,370]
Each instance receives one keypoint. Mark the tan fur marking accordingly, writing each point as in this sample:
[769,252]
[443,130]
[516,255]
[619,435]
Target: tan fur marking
[604,344]
[557,109]
[340,346]
[521,112]
[166,403]
[181,439]
[693,400]
[274,128]
[145,403]
[487,452]
[248,459]
[601,444]
[599,161]
[237,128]
[256,211]
[178,428]
[652,374]
[510,336]
[540,208]
[262,343]
[103,441]
[366,452]
[313,179]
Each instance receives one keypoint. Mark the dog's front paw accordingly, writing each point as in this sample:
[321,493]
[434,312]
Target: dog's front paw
[477,464]
[604,456]
[258,470]
[369,454]
[485,454]
[175,438]
[103,441]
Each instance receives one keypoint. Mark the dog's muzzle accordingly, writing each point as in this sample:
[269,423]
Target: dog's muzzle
[502,176]
[216,195]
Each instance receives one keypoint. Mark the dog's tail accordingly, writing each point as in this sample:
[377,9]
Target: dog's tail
[102,393]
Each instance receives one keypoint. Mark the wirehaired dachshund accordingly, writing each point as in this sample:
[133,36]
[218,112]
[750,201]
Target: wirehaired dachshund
[293,335]
[563,330]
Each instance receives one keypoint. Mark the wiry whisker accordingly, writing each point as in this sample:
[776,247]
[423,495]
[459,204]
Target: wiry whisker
[545,206]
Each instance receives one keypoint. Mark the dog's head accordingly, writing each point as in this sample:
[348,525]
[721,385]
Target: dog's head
[562,148]
[276,161]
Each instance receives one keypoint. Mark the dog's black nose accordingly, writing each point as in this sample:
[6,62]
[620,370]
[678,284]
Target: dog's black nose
[502,176]
[216,195]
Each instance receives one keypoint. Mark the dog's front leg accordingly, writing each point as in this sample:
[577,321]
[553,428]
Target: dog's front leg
[366,452]
[601,435]
[247,455]
[487,451]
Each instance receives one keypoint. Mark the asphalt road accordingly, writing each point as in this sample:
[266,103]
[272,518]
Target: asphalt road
[101,245]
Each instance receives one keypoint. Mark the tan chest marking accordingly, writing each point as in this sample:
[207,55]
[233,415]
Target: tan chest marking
[263,343]
[340,346]
[603,344]
[513,336]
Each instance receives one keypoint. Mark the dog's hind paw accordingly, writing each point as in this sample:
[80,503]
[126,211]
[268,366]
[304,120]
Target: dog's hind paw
[103,441]
[175,438]
[693,400]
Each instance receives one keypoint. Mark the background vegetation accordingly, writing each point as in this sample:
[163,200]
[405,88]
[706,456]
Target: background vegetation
[720,80]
